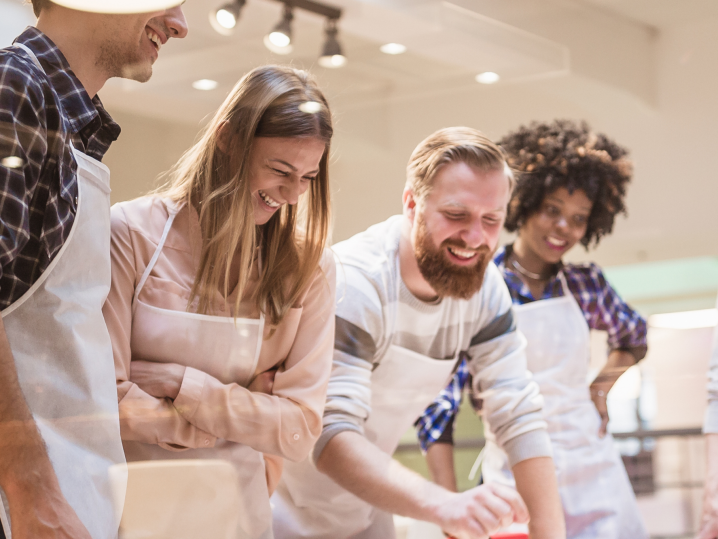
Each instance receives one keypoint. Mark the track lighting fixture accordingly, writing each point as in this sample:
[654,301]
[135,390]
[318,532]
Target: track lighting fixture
[332,55]
[279,40]
[225,18]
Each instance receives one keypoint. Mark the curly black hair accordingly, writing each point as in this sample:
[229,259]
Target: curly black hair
[564,153]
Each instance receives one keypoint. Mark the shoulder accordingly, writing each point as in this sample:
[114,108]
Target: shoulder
[585,276]
[145,215]
[21,78]
[372,253]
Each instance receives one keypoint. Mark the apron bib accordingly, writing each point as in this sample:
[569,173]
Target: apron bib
[596,495]
[225,348]
[310,504]
[64,359]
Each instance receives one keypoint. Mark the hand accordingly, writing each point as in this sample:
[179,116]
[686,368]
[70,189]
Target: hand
[41,512]
[481,511]
[598,395]
[161,380]
[263,382]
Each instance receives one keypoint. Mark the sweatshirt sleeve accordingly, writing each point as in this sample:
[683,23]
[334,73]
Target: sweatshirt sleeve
[143,418]
[512,403]
[711,420]
[359,326]
[288,422]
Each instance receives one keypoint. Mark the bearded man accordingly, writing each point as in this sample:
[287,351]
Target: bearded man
[59,424]
[415,294]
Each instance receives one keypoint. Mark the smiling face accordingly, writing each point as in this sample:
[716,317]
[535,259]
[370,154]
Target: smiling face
[281,170]
[455,229]
[131,43]
[559,223]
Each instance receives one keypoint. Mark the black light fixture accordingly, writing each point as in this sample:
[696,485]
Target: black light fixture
[225,18]
[279,40]
[332,55]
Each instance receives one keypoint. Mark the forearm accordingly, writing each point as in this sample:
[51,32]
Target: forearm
[23,457]
[619,361]
[537,485]
[440,459]
[360,467]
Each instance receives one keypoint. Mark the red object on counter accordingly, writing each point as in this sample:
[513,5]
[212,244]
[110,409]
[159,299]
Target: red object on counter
[510,536]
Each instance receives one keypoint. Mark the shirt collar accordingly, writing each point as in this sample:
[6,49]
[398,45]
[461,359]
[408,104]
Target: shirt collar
[79,110]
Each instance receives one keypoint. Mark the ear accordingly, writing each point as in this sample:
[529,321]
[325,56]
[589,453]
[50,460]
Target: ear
[223,137]
[409,203]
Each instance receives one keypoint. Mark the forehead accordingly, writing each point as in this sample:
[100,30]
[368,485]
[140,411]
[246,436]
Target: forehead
[578,199]
[464,186]
[289,147]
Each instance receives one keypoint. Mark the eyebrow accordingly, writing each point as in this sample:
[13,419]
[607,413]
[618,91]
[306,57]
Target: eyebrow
[292,167]
[460,206]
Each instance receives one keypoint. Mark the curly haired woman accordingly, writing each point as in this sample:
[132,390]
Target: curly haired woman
[571,185]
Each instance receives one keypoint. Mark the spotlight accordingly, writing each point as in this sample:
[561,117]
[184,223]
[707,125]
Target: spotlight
[225,18]
[393,48]
[487,77]
[332,56]
[279,40]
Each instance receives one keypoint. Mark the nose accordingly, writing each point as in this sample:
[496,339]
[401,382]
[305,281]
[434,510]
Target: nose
[176,22]
[562,223]
[292,190]
[474,235]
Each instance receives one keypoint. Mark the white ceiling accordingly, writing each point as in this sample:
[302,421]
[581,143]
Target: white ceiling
[659,13]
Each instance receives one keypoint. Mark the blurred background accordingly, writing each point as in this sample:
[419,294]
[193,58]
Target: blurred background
[645,72]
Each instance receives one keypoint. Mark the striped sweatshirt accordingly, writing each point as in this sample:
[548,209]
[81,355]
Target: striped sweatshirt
[376,310]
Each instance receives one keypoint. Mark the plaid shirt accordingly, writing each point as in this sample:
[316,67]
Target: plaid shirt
[601,306]
[40,115]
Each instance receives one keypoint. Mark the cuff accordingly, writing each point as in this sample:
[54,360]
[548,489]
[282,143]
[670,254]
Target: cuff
[529,445]
[190,393]
[329,432]
[710,426]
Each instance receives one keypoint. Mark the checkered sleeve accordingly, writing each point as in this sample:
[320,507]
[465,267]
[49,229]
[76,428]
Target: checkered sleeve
[439,415]
[23,147]
[605,310]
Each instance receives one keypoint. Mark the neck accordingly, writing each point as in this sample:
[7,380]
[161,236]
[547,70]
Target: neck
[529,260]
[409,267]
[75,34]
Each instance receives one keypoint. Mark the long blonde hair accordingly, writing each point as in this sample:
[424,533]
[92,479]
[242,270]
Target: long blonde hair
[269,101]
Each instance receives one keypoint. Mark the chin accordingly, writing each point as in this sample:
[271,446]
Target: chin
[138,72]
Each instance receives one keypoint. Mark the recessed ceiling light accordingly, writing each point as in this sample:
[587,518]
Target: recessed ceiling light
[393,48]
[704,318]
[204,84]
[487,77]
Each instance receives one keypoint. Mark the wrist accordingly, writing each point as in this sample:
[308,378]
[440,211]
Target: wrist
[434,504]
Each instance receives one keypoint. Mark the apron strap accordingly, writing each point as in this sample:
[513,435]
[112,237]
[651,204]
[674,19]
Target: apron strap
[564,283]
[31,55]
[173,210]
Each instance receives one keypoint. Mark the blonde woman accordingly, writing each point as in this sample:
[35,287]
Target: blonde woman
[221,310]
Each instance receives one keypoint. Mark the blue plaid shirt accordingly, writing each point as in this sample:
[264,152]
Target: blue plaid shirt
[601,306]
[40,115]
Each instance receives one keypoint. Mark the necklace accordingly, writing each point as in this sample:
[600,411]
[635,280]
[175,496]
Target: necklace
[526,273]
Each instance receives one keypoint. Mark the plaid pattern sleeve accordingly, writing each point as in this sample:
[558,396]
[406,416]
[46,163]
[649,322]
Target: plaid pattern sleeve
[43,112]
[601,305]
[440,413]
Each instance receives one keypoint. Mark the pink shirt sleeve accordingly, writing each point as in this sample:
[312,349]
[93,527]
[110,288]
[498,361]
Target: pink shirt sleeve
[143,418]
[288,422]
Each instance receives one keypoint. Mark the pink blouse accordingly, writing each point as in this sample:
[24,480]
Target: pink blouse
[285,424]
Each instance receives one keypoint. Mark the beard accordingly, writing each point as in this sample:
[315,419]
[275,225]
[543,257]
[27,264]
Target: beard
[446,278]
[122,57]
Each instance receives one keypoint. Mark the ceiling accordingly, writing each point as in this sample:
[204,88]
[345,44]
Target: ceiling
[659,13]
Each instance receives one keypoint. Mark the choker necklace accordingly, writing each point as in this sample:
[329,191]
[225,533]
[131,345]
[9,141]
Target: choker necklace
[526,273]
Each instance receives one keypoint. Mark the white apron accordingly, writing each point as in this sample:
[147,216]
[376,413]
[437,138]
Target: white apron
[64,359]
[595,491]
[225,348]
[308,504]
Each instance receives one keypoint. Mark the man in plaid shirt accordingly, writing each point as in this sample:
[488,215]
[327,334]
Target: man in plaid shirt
[49,81]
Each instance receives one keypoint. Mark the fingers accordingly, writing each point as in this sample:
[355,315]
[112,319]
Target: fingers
[263,383]
[708,531]
[511,497]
